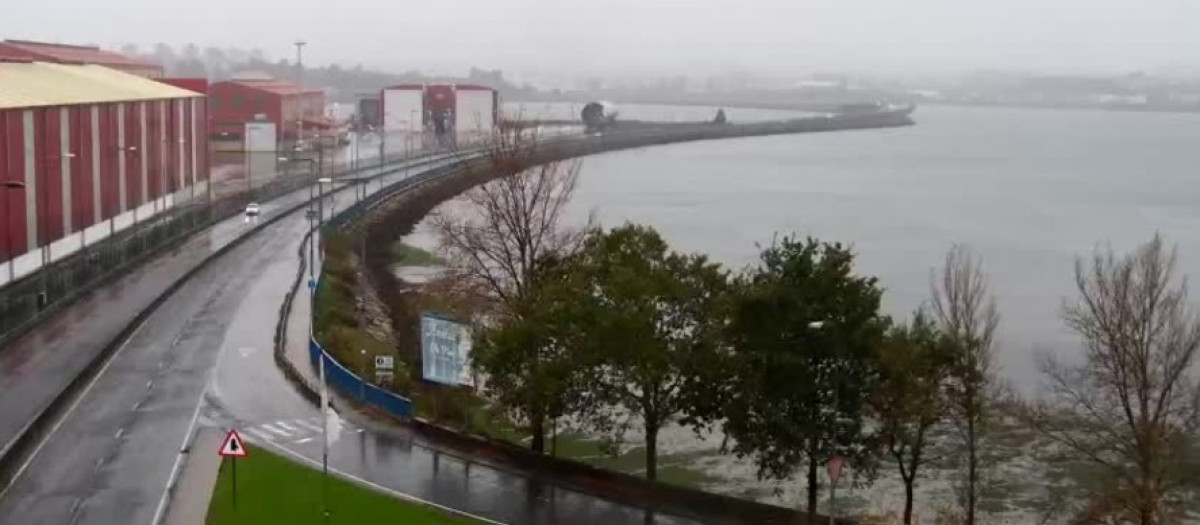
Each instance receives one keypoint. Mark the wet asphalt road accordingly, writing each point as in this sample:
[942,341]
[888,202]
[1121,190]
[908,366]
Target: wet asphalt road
[205,357]
[83,467]
[111,458]
[248,392]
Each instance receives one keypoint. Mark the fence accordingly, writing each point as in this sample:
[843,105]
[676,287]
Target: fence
[354,387]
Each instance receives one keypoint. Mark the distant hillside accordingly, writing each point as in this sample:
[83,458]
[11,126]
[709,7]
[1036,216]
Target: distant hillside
[343,84]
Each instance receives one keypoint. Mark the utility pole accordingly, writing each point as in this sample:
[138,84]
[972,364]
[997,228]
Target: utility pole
[324,441]
[300,83]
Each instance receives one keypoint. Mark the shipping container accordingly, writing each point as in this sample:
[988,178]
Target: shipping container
[403,108]
[475,113]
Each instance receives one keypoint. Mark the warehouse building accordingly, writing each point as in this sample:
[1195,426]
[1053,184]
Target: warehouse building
[87,151]
[295,110]
[72,54]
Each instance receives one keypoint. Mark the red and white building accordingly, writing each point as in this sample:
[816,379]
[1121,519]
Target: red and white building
[87,151]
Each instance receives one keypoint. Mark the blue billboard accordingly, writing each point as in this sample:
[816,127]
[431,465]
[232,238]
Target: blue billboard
[445,350]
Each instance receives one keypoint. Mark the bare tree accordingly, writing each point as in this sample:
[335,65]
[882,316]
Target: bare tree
[1132,406]
[967,316]
[509,226]
[508,229]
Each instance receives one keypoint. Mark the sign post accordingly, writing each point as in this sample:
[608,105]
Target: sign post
[834,468]
[385,367]
[233,447]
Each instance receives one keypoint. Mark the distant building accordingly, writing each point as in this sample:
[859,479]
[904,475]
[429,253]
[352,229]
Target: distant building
[73,54]
[442,113]
[296,110]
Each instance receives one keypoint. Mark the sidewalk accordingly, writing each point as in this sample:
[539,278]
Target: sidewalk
[197,479]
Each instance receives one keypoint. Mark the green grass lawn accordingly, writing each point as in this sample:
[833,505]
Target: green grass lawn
[271,489]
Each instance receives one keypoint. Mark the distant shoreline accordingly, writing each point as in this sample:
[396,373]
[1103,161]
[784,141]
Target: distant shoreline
[823,107]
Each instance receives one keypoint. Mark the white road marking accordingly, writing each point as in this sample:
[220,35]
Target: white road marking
[279,431]
[120,432]
[287,426]
[161,511]
[306,424]
[301,441]
[260,434]
[91,384]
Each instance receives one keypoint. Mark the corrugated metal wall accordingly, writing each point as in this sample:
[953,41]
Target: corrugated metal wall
[84,165]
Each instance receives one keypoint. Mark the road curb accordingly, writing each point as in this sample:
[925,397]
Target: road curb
[21,447]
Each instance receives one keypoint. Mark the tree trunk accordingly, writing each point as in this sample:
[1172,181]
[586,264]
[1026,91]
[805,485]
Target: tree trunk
[554,437]
[812,490]
[972,470]
[651,452]
[537,425]
[908,500]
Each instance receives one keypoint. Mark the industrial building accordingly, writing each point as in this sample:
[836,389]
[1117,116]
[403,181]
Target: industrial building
[461,113]
[72,54]
[87,151]
[295,110]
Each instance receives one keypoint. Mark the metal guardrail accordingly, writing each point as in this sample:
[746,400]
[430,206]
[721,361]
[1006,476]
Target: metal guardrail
[30,299]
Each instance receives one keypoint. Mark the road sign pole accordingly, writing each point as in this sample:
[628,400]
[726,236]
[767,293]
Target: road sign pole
[832,490]
[834,468]
[324,441]
[234,491]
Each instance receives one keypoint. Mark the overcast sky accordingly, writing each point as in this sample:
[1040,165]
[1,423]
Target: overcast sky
[772,37]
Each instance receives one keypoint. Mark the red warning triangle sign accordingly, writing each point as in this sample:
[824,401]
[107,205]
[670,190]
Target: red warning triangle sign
[233,447]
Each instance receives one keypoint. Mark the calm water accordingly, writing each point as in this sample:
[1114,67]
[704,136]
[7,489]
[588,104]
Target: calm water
[1028,190]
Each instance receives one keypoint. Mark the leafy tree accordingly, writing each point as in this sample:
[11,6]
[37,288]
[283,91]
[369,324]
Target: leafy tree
[650,320]
[532,360]
[913,361]
[804,331]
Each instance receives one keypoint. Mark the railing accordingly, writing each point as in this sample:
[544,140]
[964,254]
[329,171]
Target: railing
[27,300]
[347,383]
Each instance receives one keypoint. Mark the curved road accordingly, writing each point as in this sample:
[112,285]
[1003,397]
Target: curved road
[204,357]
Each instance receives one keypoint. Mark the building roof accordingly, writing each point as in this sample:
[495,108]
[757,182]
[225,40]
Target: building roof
[274,85]
[75,54]
[37,84]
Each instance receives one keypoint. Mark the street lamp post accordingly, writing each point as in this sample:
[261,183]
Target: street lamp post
[10,185]
[311,234]
[43,216]
[834,463]
[300,82]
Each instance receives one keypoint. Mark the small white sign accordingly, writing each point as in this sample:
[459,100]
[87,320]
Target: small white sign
[384,362]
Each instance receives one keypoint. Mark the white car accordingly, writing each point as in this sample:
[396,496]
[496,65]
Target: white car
[252,209]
